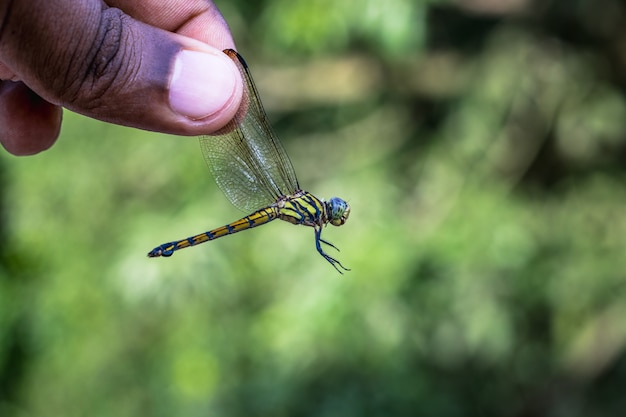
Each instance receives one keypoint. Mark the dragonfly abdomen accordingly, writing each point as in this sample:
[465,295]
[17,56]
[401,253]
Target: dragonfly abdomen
[259,217]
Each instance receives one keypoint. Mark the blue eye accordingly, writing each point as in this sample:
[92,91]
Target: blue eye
[339,211]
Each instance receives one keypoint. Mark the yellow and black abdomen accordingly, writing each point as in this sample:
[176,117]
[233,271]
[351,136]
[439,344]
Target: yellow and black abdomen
[265,215]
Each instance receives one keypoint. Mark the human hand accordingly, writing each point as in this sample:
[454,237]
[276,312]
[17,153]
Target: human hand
[150,64]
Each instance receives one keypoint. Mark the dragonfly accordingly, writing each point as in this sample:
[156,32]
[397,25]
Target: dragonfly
[251,167]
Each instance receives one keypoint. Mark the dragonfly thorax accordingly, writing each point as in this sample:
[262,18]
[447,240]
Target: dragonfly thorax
[338,211]
[304,208]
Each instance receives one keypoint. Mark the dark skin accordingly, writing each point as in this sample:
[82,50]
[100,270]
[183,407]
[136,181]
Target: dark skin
[151,64]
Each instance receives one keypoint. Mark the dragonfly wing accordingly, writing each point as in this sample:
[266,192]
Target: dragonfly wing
[245,157]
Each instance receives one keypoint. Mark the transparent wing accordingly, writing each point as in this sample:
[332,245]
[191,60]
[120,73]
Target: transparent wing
[246,158]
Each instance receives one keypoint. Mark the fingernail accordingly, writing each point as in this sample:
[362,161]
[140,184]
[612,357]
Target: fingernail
[201,84]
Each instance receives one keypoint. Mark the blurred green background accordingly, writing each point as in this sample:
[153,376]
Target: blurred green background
[482,147]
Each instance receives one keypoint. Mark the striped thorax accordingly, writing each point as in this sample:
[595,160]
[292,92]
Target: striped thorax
[304,208]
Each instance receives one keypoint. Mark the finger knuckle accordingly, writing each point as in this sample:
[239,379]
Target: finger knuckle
[105,67]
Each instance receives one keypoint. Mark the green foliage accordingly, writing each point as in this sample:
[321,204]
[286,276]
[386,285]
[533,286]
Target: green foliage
[484,167]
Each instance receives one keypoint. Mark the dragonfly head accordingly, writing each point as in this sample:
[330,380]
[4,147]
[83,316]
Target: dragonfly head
[338,211]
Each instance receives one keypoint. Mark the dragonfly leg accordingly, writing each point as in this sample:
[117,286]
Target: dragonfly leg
[329,244]
[335,263]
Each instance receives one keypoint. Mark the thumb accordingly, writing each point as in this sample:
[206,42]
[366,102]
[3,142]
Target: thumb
[99,62]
